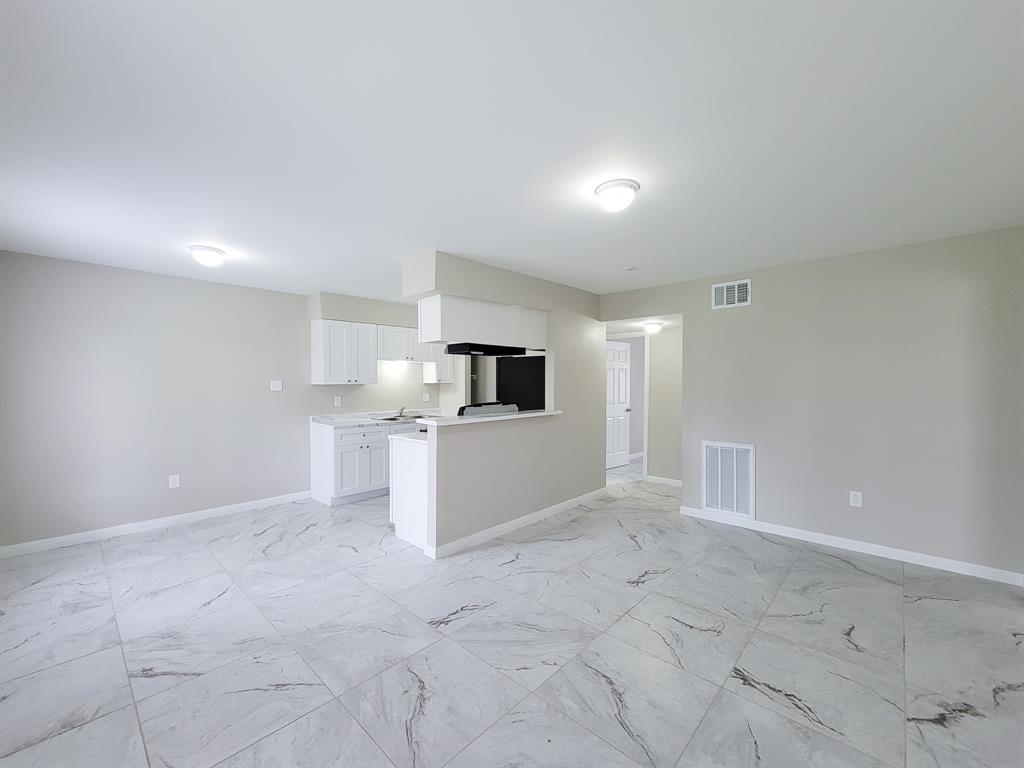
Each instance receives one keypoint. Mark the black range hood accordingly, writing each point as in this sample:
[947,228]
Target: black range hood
[490,350]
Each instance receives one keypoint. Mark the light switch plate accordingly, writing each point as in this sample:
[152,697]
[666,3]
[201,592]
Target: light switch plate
[856,499]
[276,385]
[337,401]
[426,397]
[174,481]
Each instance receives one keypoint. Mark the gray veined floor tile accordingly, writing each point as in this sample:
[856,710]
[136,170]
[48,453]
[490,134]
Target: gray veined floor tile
[986,642]
[524,639]
[46,703]
[376,512]
[748,555]
[736,732]
[425,710]
[186,651]
[727,595]
[858,705]
[148,546]
[570,540]
[698,642]
[860,624]
[155,575]
[347,651]
[510,565]
[150,612]
[965,682]
[398,571]
[945,730]
[536,735]
[678,541]
[50,624]
[644,707]
[263,540]
[632,567]
[53,566]
[362,545]
[328,736]
[921,583]
[269,576]
[332,524]
[206,720]
[587,595]
[819,568]
[28,646]
[111,741]
[314,602]
[448,601]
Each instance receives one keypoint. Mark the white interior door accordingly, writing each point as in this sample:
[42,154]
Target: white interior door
[617,405]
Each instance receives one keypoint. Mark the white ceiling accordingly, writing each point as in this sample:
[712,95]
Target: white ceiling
[323,143]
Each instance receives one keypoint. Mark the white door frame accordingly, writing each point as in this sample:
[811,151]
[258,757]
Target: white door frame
[647,383]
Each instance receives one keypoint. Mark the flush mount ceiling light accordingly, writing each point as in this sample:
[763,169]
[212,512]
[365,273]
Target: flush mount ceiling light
[207,255]
[653,326]
[616,195]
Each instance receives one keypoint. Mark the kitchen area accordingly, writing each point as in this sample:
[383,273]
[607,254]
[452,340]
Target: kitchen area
[488,363]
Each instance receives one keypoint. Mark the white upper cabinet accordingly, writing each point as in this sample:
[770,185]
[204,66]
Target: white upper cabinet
[442,370]
[453,319]
[342,352]
[402,344]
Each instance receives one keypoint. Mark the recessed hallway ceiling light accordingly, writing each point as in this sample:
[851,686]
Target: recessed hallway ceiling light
[616,195]
[207,255]
[653,327]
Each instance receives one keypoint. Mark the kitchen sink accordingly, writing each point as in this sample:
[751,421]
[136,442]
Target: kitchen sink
[399,418]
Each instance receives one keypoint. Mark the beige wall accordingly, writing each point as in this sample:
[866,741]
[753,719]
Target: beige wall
[664,458]
[488,474]
[897,372]
[113,379]
[336,306]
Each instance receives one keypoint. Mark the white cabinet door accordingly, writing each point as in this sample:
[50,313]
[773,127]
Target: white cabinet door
[362,353]
[392,343]
[442,370]
[376,460]
[328,345]
[349,463]
[419,352]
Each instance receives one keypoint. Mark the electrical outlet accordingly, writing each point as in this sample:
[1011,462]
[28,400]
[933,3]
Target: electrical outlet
[174,481]
[426,397]
[856,499]
[276,385]
[337,401]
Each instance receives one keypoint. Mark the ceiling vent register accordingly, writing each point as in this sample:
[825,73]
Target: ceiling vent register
[728,295]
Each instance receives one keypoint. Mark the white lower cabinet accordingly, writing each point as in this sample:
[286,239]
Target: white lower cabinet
[349,464]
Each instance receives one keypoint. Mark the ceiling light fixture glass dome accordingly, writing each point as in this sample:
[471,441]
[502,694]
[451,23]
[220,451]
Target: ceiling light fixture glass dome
[207,255]
[616,195]
[654,326]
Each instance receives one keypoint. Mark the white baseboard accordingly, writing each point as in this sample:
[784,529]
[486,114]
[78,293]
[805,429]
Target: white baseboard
[637,455]
[98,534]
[916,558]
[664,481]
[480,537]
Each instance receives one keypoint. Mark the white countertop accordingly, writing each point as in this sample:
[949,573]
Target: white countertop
[448,421]
[349,420]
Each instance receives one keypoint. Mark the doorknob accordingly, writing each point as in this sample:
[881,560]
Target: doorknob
[628,410]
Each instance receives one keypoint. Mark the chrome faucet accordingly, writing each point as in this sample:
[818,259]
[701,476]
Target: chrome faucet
[400,412]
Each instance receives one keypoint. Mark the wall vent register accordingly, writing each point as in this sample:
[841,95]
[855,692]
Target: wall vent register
[728,295]
[728,477]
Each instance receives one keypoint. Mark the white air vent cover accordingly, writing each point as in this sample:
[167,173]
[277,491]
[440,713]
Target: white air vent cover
[729,477]
[734,294]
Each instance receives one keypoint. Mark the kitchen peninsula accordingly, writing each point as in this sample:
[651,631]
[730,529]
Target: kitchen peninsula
[420,463]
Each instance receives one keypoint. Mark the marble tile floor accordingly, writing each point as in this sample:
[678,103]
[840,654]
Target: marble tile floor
[627,473]
[619,633]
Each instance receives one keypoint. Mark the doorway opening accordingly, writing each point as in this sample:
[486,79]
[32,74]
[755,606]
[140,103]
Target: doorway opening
[629,368]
